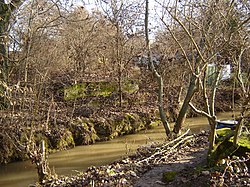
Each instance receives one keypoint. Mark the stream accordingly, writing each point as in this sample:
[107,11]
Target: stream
[20,174]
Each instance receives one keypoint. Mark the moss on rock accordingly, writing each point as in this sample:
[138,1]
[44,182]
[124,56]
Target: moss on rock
[80,131]
[225,147]
[119,125]
[60,139]
[95,89]
[83,131]
[104,128]
[135,122]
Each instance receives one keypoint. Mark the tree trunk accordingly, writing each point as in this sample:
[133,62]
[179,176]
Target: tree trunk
[246,96]
[42,167]
[214,89]
[212,123]
[119,62]
[160,103]
[199,58]
[182,114]
[157,76]
[241,121]
[120,85]
[38,156]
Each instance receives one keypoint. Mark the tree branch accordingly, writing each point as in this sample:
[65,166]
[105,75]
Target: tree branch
[200,111]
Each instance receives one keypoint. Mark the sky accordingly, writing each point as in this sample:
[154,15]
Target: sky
[7,1]
[91,5]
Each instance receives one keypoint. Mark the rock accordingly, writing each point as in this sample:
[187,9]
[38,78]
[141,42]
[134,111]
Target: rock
[160,182]
[123,181]
[133,174]
[205,173]
[195,176]
[184,180]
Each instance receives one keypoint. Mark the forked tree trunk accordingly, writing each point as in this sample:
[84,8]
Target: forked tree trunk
[196,71]
[212,123]
[182,114]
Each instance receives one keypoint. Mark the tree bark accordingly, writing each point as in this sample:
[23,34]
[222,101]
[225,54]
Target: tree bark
[160,103]
[42,164]
[212,123]
[214,89]
[246,96]
[182,114]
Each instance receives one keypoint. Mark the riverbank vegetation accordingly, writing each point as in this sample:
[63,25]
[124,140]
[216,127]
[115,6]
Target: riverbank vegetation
[72,76]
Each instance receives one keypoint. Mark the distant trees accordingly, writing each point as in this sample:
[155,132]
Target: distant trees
[82,42]
[34,35]
[125,18]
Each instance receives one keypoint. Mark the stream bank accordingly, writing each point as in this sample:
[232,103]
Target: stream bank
[128,171]
[78,131]
[179,162]
[77,160]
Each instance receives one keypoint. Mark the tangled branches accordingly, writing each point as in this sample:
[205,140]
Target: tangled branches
[235,172]
[163,151]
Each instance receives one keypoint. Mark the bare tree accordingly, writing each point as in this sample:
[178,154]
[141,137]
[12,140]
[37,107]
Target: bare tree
[243,78]
[20,43]
[6,10]
[156,75]
[125,17]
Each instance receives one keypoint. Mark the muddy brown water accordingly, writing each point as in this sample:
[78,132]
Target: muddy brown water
[20,174]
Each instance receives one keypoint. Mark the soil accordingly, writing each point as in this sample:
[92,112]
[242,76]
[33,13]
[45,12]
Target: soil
[184,162]
[184,166]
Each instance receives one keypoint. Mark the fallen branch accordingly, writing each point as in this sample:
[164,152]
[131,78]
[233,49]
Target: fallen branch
[167,147]
[176,145]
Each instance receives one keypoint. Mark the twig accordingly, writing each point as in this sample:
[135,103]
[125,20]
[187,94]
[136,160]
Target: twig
[165,148]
